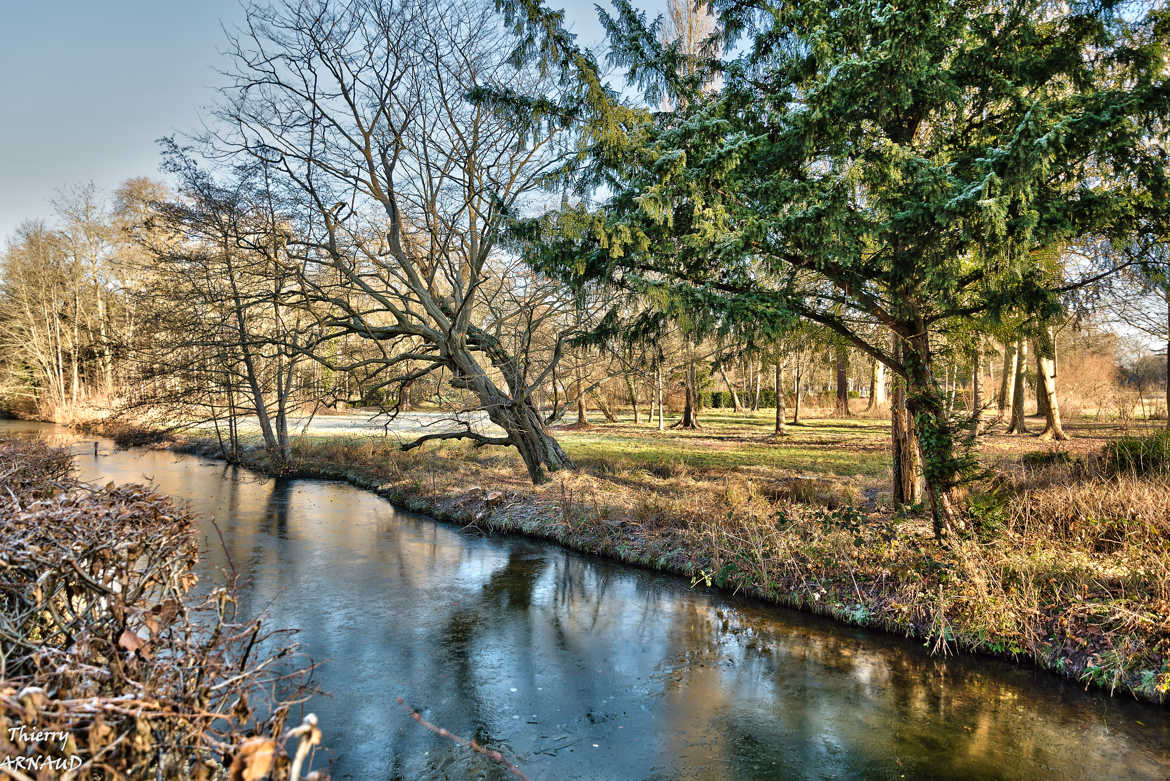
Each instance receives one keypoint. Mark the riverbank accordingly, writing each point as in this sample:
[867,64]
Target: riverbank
[1069,569]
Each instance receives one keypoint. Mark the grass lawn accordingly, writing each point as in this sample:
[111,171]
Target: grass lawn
[830,447]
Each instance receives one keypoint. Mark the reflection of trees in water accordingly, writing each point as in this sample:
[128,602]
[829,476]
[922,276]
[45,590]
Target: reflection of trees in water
[498,618]
[579,592]
[276,508]
[804,695]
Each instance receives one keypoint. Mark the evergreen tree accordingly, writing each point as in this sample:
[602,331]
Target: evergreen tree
[862,161]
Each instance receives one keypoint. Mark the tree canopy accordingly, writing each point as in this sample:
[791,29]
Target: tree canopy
[908,164]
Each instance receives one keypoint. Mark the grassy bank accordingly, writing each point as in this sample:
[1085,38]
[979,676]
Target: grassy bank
[1069,566]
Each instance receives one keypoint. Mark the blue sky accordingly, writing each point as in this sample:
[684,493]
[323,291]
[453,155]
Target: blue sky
[88,86]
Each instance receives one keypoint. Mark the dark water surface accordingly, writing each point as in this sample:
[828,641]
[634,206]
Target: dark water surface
[581,669]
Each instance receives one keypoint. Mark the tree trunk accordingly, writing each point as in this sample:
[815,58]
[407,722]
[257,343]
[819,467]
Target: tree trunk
[758,371]
[250,373]
[1168,350]
[1045,347]
[690,414]
[582,412]
[737,407]
[1018,424]
[633,396]
[841,364]
[514,413]
[76,346]
[658,393]
[103,335]
[873,381]
[796,396]
[905,456]
[603,405]
[1041,397]
[1007,381]
[976,389]
[942,468]
[779,431]
[540,451]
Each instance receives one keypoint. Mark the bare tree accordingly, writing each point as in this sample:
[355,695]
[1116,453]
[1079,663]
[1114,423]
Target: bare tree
[1139,299]
[37,307]
[404,187]
[228,326]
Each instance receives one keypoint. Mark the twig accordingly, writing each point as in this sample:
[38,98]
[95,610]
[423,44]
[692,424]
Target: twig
[489,753]
[226,553]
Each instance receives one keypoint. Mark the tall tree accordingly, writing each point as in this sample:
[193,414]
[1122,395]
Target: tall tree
[841,375]
[902,163]
[1018,424]
[401,188]
[220,284]
[1047,402]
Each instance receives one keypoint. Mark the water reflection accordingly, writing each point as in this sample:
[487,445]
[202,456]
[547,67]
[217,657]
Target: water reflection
[580,669]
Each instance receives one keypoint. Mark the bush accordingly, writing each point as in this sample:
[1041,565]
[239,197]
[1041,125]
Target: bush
[106,646]
[1138,455]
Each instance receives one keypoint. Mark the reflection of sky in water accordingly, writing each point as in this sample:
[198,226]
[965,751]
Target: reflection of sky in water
[544,653]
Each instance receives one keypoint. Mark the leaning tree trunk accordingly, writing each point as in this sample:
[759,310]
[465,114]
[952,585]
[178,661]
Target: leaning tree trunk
[841,363]
[1018,424]
[515,413]
[737,407]
[606,411]
[540,451]
[633,396]
[779,431]
[1045,348]
[937,437]
[904,451]
[1007,380]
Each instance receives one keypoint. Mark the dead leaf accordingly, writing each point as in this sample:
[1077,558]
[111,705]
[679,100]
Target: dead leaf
[134,644]
[100,735]
[240,711]
[253,760]
[166,610]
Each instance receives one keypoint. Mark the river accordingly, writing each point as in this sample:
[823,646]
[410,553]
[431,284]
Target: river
[578,668]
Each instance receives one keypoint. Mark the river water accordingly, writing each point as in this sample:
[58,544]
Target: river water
[578,668]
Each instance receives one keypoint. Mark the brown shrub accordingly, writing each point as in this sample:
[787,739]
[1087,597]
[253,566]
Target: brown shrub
[104,645]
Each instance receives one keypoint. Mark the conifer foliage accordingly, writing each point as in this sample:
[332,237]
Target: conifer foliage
[907,164]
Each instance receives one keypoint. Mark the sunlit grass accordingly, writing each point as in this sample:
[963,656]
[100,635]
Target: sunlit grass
[729,441]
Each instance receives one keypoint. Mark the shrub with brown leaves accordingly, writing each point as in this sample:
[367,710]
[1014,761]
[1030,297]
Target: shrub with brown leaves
[110,667]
